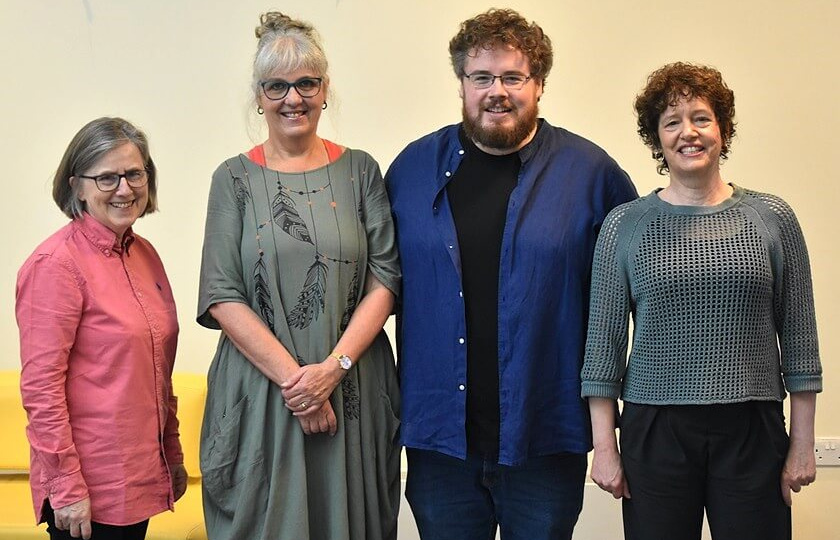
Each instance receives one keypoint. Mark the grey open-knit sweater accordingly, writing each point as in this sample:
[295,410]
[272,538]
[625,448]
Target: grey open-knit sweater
[721,299]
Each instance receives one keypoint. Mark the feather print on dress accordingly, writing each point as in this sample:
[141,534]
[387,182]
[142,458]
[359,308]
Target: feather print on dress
[350,395]
[262,294]
[240,191]
[352,294]
[310,302]
[286,216]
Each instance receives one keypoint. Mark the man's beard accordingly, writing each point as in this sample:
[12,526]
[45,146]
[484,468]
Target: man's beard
[500,137]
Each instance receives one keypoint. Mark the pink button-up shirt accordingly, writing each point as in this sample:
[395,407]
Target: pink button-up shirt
[98,333]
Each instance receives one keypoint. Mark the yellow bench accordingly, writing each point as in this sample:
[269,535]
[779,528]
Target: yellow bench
[16,518]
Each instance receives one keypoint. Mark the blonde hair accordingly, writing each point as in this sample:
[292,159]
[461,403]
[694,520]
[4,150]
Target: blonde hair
[286,44]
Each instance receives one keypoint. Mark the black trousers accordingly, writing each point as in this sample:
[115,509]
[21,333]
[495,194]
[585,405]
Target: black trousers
[99,531]
[680,460]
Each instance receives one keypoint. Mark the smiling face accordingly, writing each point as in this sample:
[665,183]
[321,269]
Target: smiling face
[293,117]
[690,137]
[118,209]
[498,119]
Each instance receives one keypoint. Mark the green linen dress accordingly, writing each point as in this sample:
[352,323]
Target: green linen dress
[296,248]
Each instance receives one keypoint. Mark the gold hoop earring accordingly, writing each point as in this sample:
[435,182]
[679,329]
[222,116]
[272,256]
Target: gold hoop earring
[324,106]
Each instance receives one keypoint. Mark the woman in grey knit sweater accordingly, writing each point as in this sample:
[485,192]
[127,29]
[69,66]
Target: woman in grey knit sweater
[718,283]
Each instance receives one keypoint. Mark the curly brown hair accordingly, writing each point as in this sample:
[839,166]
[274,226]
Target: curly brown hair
[502,27]
[680,80]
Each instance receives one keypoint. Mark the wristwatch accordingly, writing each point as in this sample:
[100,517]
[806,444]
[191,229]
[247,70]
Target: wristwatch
[343,360]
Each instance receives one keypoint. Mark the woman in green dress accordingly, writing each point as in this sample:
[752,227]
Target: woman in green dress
[299,271]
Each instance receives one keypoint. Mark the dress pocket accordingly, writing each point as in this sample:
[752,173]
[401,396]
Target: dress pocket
[229,458]
[392,420]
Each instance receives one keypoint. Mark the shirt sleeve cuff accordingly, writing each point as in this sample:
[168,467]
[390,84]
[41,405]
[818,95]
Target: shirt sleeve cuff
[600,389]
[803,383]
[67,489]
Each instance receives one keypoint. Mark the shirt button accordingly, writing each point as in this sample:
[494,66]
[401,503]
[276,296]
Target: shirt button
[108,252]
[451,246]
[461,294]
[460,152]
[461,340]
[461,387]
[447,174]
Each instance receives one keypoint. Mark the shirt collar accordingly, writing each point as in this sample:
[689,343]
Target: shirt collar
[103,238]
[527,151]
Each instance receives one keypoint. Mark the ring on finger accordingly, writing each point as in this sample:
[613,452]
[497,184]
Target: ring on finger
[304,405]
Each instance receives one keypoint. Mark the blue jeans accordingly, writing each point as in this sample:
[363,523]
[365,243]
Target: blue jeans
[453,499]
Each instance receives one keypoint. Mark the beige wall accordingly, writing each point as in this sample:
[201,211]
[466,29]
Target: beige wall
[181,68]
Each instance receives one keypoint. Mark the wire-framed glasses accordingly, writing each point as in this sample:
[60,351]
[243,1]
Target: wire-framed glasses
[483,79]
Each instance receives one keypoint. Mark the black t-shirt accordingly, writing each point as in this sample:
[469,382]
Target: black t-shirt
[478,196]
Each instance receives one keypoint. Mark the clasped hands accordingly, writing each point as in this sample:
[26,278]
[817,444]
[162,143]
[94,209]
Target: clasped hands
[307,394]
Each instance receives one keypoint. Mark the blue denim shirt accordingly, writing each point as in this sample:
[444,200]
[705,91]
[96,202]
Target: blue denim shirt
[566,187]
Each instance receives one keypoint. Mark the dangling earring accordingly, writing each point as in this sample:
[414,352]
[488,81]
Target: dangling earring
[324,106]
[260,110]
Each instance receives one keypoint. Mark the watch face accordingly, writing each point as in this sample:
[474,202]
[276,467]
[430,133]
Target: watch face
[345,361]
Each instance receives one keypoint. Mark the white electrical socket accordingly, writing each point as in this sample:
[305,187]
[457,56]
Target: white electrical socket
[827,452]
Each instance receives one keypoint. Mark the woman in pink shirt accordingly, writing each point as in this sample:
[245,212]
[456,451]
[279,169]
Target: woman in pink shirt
[98,333]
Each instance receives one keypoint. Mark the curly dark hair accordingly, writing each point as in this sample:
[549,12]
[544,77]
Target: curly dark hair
[502,27]
[667,86]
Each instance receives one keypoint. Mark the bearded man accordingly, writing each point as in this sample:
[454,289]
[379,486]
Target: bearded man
[496,220]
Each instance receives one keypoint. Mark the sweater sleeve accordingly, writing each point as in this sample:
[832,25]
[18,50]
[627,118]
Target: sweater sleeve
[794,304]
[605,359]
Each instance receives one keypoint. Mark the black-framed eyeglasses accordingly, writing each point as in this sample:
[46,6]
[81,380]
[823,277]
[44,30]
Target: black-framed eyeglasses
[512,81]
[135,178]
[275,89]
